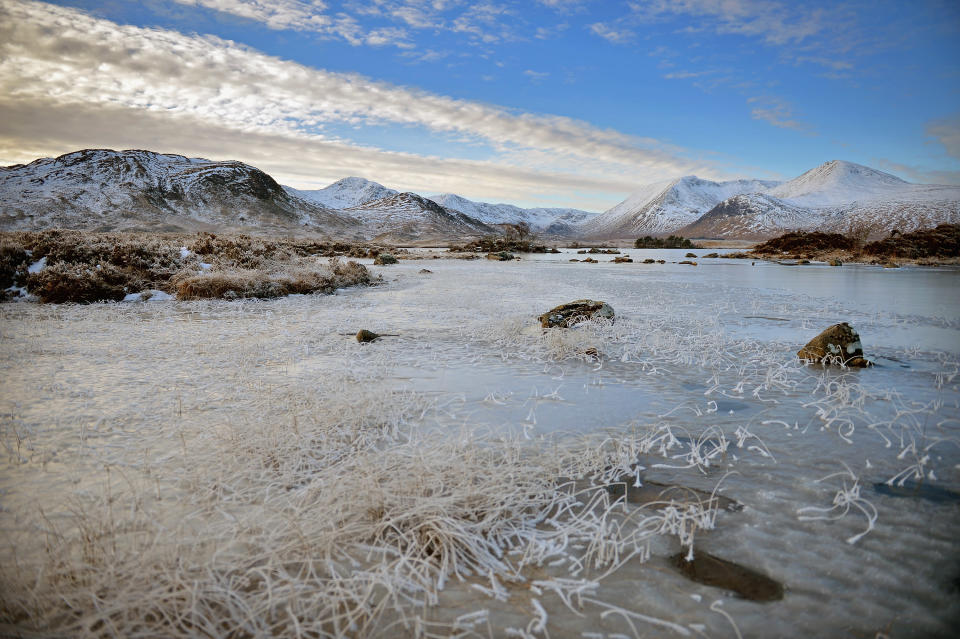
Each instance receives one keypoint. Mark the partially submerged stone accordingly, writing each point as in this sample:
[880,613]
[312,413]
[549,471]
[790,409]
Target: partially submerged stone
[425,271]
[712,255]
[687,262]
[571,313]
[891,265]
[500,256]
[622,260]
[589,260]
[385,258]
[835,262]
[649,260]
[712,571]
[364,336]
[838,344]
[690,255]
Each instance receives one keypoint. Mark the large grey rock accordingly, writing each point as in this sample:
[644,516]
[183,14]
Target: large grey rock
[838,344]
[571,313]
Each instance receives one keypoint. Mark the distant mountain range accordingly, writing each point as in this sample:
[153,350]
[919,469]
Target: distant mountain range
[102,189]
[834,196]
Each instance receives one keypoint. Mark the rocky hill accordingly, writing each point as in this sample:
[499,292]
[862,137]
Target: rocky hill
[101,189]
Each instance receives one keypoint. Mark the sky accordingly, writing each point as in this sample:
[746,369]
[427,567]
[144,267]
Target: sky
[531,102]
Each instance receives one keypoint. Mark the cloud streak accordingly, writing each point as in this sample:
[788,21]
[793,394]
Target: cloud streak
[60,58]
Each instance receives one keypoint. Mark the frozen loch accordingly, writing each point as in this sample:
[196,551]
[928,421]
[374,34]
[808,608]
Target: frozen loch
[248,469]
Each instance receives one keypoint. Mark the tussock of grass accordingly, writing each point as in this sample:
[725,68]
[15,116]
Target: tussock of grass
[276,280]
[86,267]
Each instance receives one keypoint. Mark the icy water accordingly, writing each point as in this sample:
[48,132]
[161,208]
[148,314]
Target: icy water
[706,350]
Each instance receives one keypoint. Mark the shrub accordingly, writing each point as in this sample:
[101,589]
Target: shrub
[276,282]
[672,241]
[942,241]
[64,282]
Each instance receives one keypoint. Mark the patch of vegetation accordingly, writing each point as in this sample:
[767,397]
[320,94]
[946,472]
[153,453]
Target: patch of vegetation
[497,244]
[803,242]
[85,267]
[672,241]
[280,280]
[940,242]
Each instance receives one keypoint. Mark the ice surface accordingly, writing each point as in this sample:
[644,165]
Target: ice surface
[170,402]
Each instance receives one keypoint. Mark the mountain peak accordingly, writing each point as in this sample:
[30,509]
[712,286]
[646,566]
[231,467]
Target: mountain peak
[835,182]
[348,192]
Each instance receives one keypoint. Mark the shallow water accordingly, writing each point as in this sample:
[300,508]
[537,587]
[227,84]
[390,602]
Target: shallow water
[705,349]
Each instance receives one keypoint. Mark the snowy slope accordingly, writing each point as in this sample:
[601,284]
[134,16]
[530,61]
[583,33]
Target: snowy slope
[835,196]
[406,216]
[342,194]
[539,219]
[664,207]
[102,189]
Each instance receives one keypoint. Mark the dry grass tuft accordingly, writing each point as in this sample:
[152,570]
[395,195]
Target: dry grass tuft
[86,267]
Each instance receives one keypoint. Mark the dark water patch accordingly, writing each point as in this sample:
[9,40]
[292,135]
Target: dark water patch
[712,571]
[918,490]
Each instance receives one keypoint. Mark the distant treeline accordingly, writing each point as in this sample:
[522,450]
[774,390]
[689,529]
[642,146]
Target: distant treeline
[673,241]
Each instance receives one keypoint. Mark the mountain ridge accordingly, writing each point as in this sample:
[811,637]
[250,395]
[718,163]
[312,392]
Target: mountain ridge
[103,189]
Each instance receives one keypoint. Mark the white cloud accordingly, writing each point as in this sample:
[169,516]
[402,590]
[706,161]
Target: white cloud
[536,76]
[775,111]
[617,36]
[775,22]
[299,15]
[57,59]
[947,133]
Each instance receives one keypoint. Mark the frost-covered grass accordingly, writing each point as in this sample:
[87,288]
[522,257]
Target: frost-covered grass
[215,468]
[74,266]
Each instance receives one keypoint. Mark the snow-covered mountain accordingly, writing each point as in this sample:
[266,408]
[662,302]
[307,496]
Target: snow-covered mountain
[835,196]
[664,207]
[548,220]
[102,189]
[342,194]
[408,216]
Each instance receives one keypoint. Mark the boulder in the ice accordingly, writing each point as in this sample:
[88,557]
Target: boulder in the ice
[838,344]
[571,313]
[364,336]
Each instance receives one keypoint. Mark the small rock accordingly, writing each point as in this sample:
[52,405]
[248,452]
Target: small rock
[713,571]
[500,256]
[687,262]
[803,262]
[590,260]
[838,344]
[649,260]
[385,258]
[581,252]
[573,259]
[712,255]
[835,262]
[566,315]
[425,271]
[891,265]
[364,336]
[621,260]
[661,261]
[690,255]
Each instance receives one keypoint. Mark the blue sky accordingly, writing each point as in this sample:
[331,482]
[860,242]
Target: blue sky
[539,102]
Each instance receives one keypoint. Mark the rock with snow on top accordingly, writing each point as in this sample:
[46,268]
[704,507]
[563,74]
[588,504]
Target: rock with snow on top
[838,344]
